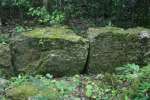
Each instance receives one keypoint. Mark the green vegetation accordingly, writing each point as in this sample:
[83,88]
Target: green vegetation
[121,86]
[74,49]
[124,13]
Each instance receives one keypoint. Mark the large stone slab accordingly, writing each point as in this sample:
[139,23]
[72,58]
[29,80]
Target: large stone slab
[54,50]
[112,47]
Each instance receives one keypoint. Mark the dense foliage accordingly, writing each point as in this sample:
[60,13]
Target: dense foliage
[124,13]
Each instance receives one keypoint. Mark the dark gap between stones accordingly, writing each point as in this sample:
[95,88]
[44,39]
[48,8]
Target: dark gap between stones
[85,70]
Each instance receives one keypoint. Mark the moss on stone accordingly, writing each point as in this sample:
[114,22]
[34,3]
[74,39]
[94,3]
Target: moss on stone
[27,90]
[5,55]
[94,32]
[55,50]
[57,63]
[131,32]
[22,92]
[112,47]
[137,30]
[54,32]
[5,60]
[134,32]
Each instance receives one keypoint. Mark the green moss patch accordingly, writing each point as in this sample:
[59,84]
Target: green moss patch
[5,60]
[112,47]
[94,32]
[54,32]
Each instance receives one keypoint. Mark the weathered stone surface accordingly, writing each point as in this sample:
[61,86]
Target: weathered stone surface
[5,60]
[3,84]
[144,35]
[54,50]
[112,47]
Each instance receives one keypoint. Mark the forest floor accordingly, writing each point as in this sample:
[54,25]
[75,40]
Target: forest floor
[129,86]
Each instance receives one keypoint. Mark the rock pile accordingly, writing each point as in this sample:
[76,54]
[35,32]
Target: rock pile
[59,51]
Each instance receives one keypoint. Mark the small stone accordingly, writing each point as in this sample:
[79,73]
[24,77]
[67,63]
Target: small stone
[3,82]
[144,35]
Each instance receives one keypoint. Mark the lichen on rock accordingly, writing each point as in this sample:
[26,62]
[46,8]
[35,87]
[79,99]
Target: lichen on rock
[112,47]
[54,50]
[5,60]
[55,32]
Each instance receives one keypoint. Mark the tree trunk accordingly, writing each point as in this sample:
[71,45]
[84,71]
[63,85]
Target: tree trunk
[0,22]
[0,19]
[45,3]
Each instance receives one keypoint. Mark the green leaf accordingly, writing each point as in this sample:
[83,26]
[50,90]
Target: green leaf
[89,90]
